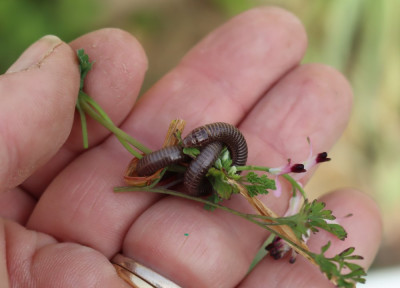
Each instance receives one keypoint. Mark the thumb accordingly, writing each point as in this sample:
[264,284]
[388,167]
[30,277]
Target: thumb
[37,100]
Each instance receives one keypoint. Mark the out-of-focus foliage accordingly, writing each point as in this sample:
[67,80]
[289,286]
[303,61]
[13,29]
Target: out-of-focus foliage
[24,21]
[361,38]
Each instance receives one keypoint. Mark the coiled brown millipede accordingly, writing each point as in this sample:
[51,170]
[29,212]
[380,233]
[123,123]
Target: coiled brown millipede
[210,138]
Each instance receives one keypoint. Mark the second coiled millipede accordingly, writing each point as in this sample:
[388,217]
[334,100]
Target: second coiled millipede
[194,180]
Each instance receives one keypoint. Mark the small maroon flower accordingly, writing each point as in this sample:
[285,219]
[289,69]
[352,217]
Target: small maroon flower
[288,168]
[314,160]
[322,157]
[297,168]
[278,249]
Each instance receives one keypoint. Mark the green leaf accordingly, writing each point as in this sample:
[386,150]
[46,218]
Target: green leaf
[220,183]
[258,184]
[84,65]
[232,171]
[218,164]
[191,152]
[347,251]
[255,190]
[311,217]
[263,180]
[333,267]
[317,217]
[225,158]
[325,247]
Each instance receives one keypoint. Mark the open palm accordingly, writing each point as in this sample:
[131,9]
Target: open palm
[62,222]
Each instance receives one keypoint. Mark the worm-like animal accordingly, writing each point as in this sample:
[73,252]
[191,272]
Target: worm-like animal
[194,180]
[156,160]
[223,132]
[211,138]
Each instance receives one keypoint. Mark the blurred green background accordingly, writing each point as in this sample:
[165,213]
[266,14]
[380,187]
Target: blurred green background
[358,37]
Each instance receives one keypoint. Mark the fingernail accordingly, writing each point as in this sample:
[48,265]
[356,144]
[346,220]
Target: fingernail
[35,53]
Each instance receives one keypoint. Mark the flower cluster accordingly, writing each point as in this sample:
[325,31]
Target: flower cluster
[278,248]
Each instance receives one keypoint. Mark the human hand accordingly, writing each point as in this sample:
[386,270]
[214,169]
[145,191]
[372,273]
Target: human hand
[64,222]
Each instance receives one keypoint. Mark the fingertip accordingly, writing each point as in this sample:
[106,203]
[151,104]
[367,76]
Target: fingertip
[119,66]
[251,41]
[264,24]
[326,85]
[350,201]
[352,197]
[114,51]
[343,92]
[360,215]
[364,232]
[115,80]
[37,108]
[281,16]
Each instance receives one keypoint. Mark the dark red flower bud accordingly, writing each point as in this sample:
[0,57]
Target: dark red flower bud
[297,168]
[322,157]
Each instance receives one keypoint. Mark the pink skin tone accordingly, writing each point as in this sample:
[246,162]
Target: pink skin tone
[61,221]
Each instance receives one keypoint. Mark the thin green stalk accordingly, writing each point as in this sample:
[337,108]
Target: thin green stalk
[96,106]
[90,107]
[250,217]
[197,199]
[83,125]
[296,185]
[110,126]
[253,167]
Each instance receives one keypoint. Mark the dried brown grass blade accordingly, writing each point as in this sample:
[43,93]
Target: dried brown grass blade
[283,230]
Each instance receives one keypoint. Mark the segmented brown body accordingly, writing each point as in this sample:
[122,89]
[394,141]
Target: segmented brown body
[223,132]
[156,160]
[212,138]
[194,180]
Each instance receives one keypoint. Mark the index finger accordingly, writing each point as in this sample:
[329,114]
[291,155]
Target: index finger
[114,82]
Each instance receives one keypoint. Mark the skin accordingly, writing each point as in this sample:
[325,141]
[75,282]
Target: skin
[61,221]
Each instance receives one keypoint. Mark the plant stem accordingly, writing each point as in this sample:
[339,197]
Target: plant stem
[250,217]
[83,125]
[89,106]
[252,167]
[296,185]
